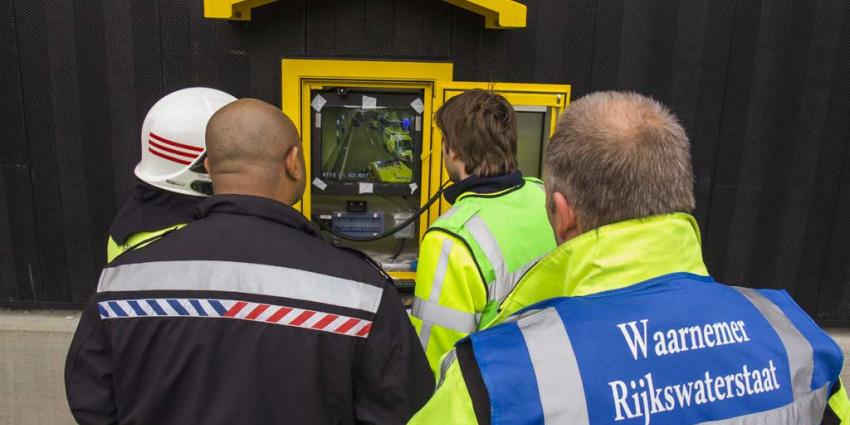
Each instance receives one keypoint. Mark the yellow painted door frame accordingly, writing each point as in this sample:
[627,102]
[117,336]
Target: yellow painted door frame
[301,76]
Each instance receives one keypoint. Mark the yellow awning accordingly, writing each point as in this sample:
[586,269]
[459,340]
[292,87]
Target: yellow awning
[498,14]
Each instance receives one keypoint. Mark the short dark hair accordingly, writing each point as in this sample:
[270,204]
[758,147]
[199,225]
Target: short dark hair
[480,126]
[618,156]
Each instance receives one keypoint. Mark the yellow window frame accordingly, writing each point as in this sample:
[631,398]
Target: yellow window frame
[301,76]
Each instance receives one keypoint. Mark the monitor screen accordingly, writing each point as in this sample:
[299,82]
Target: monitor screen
[367,141]
[373,145]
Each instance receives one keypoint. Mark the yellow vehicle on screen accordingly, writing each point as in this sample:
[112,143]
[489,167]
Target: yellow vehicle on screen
[398,143]
[392,171]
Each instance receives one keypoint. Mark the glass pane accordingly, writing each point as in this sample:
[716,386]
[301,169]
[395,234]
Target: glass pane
[530,139]
[367,145]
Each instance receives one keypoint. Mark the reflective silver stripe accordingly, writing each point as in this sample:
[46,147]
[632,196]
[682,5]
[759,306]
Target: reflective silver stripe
[555,367]
[452,211]
[446,317]
[488,243]
[436,289]
[444,365]
[440,272]
[425,335]
[800,352]
[244,278]
[504,281]
[514,276]
[804,410]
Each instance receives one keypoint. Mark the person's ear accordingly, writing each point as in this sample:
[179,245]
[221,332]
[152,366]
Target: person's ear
[562,217]
[294,164]
[207,164]
[451,154]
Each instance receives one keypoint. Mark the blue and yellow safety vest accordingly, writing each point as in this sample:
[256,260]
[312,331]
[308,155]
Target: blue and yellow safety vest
[675,348]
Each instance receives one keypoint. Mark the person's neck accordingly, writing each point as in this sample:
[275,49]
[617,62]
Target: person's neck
[461,176]
[257,193]
[228,187]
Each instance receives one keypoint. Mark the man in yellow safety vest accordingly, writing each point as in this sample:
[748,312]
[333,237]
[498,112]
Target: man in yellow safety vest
[472,256]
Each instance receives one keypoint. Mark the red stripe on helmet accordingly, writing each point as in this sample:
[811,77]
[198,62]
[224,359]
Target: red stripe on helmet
[174,151]
[179,145]
[170,158]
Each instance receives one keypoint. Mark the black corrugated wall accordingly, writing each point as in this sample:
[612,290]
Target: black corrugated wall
[763,88]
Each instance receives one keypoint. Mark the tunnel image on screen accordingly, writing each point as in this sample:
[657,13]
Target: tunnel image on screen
[367,145]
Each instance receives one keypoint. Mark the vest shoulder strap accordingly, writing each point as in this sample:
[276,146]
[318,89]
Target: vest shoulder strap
[455,218]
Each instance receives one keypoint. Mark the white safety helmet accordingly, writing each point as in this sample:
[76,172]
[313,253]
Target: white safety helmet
[173,142]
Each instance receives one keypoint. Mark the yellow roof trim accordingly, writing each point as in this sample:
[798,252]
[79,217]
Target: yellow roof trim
[498,14]
[235,10]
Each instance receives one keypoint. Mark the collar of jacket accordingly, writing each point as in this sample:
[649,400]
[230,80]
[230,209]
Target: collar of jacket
[256,206]
[622,254]
[151,209]
[473,185]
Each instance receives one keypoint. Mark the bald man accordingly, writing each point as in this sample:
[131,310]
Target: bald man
[246,316]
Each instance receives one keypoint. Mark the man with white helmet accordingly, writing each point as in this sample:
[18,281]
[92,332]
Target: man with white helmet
[246,316]
[172,177]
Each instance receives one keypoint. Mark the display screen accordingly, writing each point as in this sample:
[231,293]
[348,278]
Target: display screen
[365,153]
[531,136]
[367,145]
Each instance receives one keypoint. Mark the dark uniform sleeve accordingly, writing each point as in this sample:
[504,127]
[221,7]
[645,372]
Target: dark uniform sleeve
[88,372]
[394,379]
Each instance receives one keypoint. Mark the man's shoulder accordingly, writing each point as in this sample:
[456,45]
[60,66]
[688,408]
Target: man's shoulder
[456,217]
[255,242]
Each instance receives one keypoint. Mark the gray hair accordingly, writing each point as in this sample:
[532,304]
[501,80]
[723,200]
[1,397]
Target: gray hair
[617,156]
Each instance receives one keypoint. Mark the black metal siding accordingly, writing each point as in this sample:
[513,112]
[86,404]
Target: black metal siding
[763,88]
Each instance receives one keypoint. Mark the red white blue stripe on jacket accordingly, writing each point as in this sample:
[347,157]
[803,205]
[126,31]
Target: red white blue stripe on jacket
[235,309]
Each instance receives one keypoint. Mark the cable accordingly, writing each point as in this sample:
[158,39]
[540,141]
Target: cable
[401,243]
[392,231]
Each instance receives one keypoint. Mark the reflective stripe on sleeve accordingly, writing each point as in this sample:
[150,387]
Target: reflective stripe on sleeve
[504,281]
[555,368]
[797,347]
[425,335]
[433,313]
[440,272]
[258,279]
